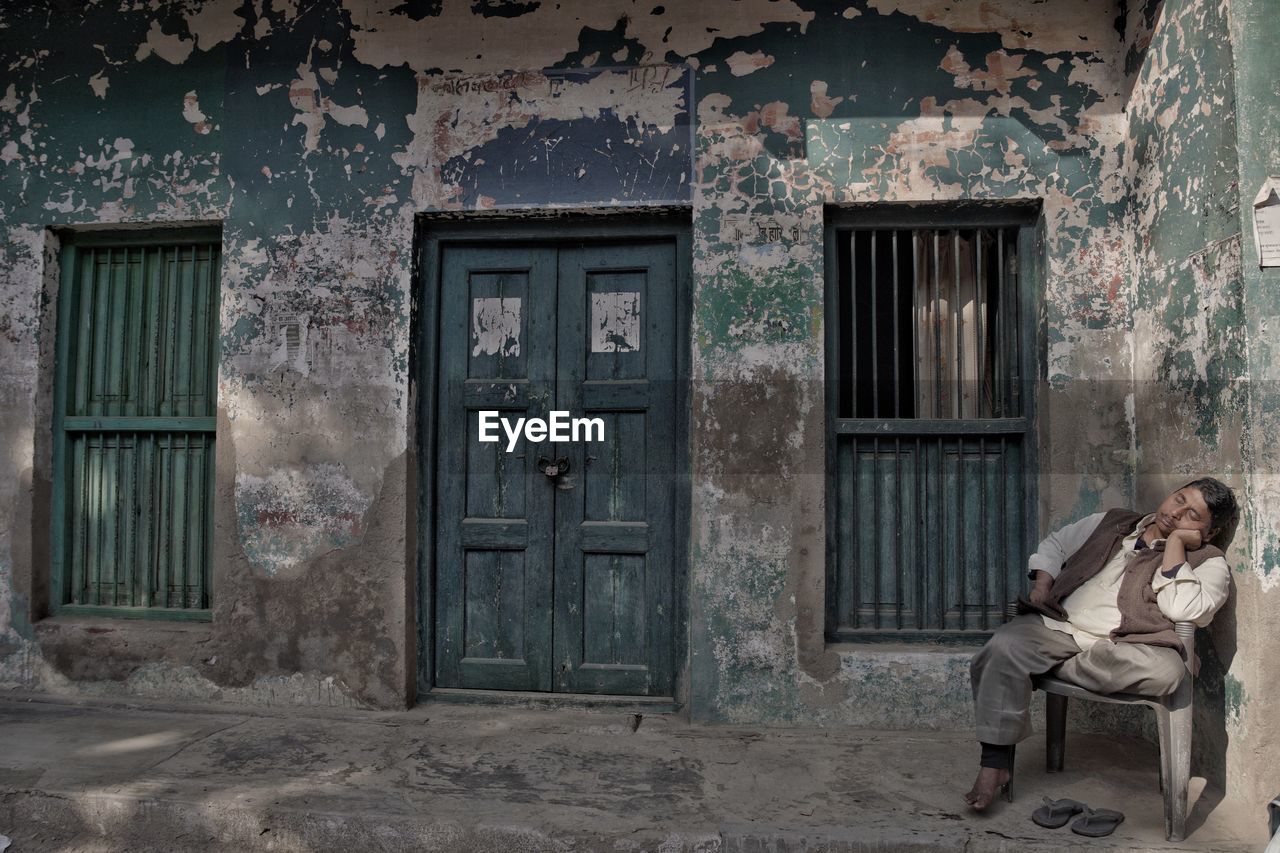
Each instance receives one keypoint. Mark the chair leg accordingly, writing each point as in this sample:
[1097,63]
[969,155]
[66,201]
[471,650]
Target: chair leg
[1179,762]
[1055,742]
[1162,728]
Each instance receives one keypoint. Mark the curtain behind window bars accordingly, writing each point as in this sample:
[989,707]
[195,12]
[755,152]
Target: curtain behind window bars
[935,334]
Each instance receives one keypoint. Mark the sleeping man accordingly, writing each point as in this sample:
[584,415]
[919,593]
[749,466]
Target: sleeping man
[1107,591]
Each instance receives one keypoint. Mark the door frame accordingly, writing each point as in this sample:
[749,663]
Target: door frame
[433,233]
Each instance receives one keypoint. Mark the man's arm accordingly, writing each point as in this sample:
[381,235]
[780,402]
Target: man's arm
[1060,544]
[1187,595]
[1044,565]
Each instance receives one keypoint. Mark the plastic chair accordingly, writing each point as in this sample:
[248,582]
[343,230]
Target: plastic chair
[1173,722]
[1273,813]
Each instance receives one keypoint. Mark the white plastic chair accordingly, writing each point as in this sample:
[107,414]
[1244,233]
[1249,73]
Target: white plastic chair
[1173,722]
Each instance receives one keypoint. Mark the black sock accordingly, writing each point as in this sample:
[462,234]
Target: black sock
[997,755]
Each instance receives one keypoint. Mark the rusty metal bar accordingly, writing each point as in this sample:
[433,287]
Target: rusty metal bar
[940,536]
[154,483]
[957,334]
[853,327]
[915,333]
[138,577]
[875,524]
[122,334]
[1015,317]
[96,555]
[875,343]
[980,313]
[983,558]
[897,406]
[191,291]
[1005,311]
[1004,538]
[921,509]
[935,312]
[855,579]
[80,584]
[103,400]
[184,518]
[897,474]
[166,518]
[115,506]
[960,566]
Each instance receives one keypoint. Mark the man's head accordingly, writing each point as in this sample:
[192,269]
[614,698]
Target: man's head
[1205,505]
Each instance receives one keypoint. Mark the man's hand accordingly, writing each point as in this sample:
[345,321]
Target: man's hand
[1176,547]
[1040,588]
[1189,539]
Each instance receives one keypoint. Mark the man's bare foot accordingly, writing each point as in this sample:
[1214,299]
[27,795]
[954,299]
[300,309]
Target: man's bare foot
[985,787]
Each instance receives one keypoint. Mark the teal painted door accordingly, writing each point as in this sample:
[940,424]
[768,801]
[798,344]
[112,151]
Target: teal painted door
[557,583]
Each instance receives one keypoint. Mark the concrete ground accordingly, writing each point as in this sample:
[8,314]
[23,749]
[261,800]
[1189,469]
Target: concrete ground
[81,775]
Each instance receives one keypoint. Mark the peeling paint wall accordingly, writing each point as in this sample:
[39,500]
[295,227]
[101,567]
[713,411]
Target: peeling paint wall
[1197,404]
[1188,338]
[315,133]
[1248,688]
[313,141]
[1024,106]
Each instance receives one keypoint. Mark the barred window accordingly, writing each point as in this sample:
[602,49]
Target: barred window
[929,433]
[134,424]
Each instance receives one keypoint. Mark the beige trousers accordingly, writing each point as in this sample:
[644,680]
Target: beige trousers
[1024,647]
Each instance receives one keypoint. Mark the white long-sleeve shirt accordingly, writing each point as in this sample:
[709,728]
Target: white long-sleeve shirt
[1190,595]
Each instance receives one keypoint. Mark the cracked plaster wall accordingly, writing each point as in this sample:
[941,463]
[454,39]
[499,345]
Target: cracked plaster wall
[314,133]
[992,107]
[1188,331]
[1198,402]
[1253,725]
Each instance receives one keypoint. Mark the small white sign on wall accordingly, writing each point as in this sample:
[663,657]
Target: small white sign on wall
[1266,222]
[747,228]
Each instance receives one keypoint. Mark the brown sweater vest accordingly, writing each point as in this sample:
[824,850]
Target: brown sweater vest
[1140,618]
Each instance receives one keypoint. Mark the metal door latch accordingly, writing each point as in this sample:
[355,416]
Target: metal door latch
[553,469]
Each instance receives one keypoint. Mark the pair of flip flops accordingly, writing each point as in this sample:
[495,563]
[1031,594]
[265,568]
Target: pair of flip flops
[1094,823]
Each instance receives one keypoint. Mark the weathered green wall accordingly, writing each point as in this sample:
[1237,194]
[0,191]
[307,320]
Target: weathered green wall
[314,136]
[316,132]
[1253,724]
[1200,145]
[1189,336]
[1027,102]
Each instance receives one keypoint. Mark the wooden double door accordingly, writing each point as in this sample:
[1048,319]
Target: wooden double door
[554,560]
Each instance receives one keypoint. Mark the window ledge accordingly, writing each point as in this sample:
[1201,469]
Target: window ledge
[873,649]
[149,614]
[100,623]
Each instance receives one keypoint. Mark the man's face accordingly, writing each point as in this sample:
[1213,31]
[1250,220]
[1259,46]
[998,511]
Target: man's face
[1185,509]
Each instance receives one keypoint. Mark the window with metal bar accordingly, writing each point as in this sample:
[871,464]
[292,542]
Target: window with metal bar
[134,424]
[928,431]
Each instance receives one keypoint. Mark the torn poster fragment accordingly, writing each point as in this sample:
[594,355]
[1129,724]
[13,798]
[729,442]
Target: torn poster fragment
[615,321]
[495,326]
[1266,222]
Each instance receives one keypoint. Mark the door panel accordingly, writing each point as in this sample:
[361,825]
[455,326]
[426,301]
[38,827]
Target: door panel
[494,522]
[565,583]
[614,520]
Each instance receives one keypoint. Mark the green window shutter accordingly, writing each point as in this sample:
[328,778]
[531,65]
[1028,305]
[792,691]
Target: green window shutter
[135,403]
